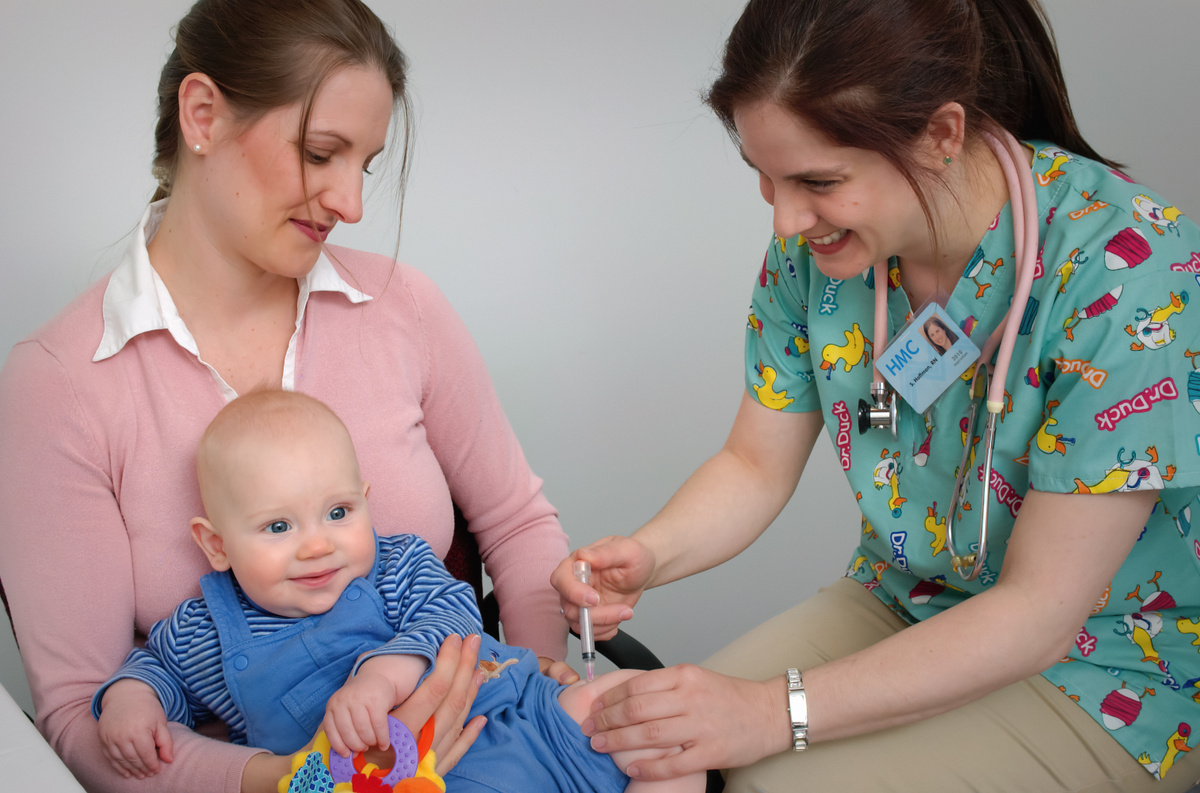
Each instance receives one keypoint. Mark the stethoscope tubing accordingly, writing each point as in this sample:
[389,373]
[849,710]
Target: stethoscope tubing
[1022,196]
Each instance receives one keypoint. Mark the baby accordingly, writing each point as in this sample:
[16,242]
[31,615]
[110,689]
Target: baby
[312,622]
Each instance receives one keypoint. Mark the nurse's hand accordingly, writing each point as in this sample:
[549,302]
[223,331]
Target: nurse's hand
[447,695]
[621,569]
[720,721]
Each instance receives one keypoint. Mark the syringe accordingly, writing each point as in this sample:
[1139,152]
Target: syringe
[587,641]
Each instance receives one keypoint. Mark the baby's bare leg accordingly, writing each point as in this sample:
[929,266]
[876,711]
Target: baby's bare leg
[577,701]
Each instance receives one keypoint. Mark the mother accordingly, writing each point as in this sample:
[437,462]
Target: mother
[270,114]
[1068,663]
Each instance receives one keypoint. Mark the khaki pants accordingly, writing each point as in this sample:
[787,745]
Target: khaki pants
[1028,737]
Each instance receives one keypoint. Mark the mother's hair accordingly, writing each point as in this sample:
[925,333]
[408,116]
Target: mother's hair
[267,54]
[869,74]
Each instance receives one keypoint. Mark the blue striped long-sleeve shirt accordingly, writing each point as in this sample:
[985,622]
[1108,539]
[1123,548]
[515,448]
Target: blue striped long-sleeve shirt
[182,657]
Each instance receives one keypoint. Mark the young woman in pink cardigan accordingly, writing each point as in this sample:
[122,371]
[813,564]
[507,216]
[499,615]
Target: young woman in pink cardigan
[270,113]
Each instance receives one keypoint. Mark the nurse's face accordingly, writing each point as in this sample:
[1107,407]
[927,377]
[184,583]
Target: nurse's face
[852,206]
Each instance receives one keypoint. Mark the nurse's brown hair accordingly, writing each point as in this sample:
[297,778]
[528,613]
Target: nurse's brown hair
[869,74]
[267,54]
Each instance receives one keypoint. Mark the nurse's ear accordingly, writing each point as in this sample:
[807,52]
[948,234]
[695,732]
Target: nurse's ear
[211,543]
[942,143]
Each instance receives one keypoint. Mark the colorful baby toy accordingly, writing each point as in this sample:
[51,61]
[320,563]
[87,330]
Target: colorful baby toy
[318,769]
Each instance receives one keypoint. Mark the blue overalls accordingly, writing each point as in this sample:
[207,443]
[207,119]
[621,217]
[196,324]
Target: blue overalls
[281,682]
[529,742]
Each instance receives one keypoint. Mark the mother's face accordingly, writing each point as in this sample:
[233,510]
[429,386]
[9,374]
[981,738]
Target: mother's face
[253,198]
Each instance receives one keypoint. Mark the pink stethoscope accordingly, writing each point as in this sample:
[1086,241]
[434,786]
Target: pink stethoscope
[883,413]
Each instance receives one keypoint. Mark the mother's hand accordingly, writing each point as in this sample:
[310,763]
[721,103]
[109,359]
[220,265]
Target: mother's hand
[447,695]
[720,721]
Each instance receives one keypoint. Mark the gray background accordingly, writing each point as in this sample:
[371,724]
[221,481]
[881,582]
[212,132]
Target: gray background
[581,209]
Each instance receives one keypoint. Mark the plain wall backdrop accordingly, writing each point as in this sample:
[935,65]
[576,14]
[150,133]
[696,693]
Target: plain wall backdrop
[582,210]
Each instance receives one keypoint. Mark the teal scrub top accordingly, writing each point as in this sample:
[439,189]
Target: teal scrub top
[1103,395]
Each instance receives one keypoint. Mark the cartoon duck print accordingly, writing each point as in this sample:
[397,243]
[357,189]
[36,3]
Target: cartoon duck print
[766,393]
[1185,625]
[1075,261]
[852,353]
[755,324]
[1100,305]
[1047,441]
[1142,626]
[1058,158]
[887,473]
[1193,386]
[1162,219]
[975,266]
[492,669]
[1177,743]
[937,528]
[1121,707]
[921,454]
[1129,475]
[762,276]
[1152,330]
[796,346]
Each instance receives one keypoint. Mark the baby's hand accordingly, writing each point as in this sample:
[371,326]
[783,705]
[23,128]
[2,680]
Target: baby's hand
[356,715]
[133,729]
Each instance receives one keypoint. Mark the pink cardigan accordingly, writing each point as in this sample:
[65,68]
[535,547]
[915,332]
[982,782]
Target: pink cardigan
[97,482]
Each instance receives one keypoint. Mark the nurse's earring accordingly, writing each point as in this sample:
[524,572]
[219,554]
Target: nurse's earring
[196,148]
[948,159]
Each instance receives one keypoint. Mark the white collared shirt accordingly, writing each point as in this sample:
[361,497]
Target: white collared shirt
[137,301]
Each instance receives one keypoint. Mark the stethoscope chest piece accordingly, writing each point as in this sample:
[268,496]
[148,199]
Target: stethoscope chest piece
[883,414]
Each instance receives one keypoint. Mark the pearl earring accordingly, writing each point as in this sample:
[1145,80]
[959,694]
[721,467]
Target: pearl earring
[196,148]
[948,159]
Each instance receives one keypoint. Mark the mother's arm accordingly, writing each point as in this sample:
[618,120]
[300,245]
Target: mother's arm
[517,529]
[1064,550]
[67,570]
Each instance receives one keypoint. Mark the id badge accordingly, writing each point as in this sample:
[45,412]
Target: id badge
[926,356]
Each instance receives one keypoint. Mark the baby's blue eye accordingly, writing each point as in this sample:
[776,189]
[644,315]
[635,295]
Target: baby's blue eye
[337,513]
[278,527]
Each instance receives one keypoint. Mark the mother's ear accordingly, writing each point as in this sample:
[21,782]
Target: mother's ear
[211,543]
[201,107]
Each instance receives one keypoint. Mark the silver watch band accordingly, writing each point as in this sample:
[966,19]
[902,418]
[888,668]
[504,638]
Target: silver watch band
[797,710]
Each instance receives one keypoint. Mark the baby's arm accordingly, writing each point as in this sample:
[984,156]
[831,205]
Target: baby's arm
[577,701]
[133,729]
[356,715]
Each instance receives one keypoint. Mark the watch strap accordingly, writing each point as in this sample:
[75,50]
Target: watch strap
[797,710]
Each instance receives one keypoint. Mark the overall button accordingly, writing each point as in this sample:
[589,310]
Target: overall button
[353,593]
[241,662]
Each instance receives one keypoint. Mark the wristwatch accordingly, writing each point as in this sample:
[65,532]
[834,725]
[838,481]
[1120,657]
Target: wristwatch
[797,710]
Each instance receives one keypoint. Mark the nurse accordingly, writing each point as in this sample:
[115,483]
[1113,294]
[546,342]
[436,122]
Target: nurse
[1071,662]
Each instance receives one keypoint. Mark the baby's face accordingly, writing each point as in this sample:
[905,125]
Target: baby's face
[292,516]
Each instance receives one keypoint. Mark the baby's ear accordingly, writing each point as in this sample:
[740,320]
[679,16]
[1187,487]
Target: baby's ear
[210,542]
[366,489]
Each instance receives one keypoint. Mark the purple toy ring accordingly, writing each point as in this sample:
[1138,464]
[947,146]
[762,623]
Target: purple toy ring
[342,769]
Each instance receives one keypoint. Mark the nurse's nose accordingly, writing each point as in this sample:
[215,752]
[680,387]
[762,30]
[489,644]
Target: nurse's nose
[794,214]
